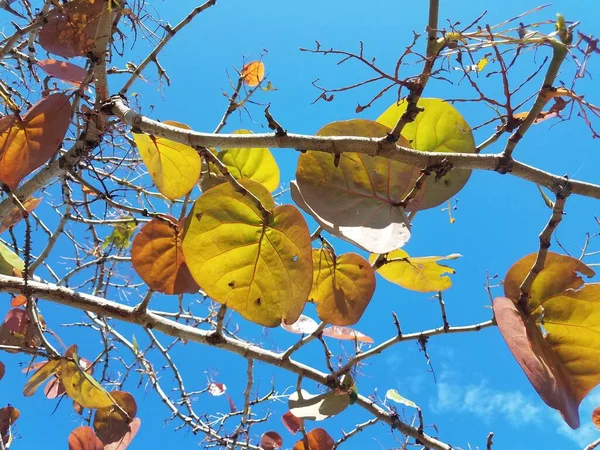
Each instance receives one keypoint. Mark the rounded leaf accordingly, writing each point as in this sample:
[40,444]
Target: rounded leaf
[84,438]
[291,422]
[174,167]
[356,197]
[8,416]
[439,128]
[318,439]
[271,440]
[16,215]
[342,288]
[110,424]
[596,417]
[259,266]
[124,442]
[253,73]
[158,259]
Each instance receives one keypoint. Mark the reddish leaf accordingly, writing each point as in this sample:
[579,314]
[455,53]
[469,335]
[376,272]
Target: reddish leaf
[291,422]
[158,259]
[73,32]
[16,215]
[8,416]
[596,417]
[318,439]
[84,438]
[54,389]
[19,300]
[232,407]
[271,440]
[63,70]
[110,423]
[216,389]
[134,427]
[28,142]
[539,363]
[2,370]
[346,334]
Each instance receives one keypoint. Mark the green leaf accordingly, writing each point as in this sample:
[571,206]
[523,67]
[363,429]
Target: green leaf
[120,236]
[392,394]
[9,261]
[439,128]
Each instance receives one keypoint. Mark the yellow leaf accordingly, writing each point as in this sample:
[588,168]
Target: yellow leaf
[255,164]
[82,387]
[174,167]
[341,290]
[260,267]
[421,274]
[482,63]
[253,73]
[43,373]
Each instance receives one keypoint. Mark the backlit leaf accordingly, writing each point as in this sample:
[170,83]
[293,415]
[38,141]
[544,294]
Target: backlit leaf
[174,167]
[421,274]
[124,442]
[343,288]
[439,128]
[318,439]
[158,259]
[317,407]
[556,342]
[73,32]
[304,325]
[9,261]
[271,440]
[84,438]
[121,235]
[8,416]
[346,334]
[291,422]
[28,142]
[256,164]
[253,73]
[596,417]
[393,395]
[82,387]
[63,70]
[42,374]
[356,198]
[19,300]
[16,215]
[260,267]
[110,424]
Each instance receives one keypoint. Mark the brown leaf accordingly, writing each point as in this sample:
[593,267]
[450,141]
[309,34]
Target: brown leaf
[29,141]
[291,422]
[2,370]
[158,259]
[63,70]
[271,440]
[596,417]
[15,215]
[8,416]
[318,439]
[133,429]
[110,423]
[83,438]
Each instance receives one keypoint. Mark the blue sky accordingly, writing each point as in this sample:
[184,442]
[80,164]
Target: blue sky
[479,386]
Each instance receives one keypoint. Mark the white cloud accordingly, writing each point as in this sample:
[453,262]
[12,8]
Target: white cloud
[484,402]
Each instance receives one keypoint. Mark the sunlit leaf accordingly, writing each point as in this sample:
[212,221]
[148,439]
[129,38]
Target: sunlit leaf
[256,164]
[216,389]
[121,235]
[42,374]
[317,407]
[346,334]
[9,261]
[174,167]
[253,73]
[111,424]
[158,259]
[29,141]
[439,128]
[16,215]
[18,300]
[421,274]
[271,440]
[84,438]
[304,325]
[342,288]
[259,266]
[555,342]
[291,422]
[63,70]
[393,395]
[358,197]
[82,387]
[73,32]
[318,439]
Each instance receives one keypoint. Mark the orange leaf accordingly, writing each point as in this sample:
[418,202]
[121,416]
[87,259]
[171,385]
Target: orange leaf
[346,334]
[28,142]
[291,422]
[8,416]
[596,417]
[271,440]
[318,439]
[73,32]
[15,215]
[253,73]
[157,257]
[19,300]
[84,438]
[63,70]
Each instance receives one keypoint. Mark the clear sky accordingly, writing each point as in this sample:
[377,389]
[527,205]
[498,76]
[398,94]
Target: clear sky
[478,386]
